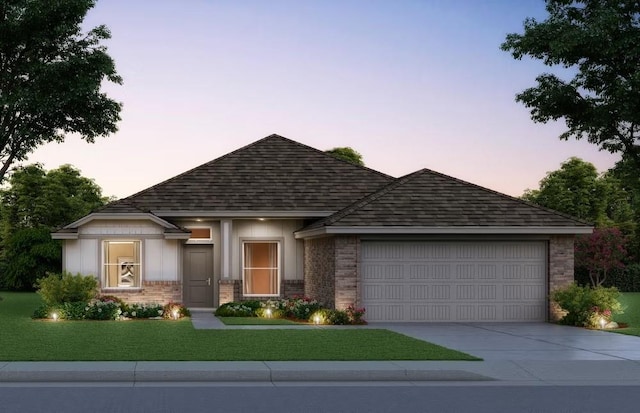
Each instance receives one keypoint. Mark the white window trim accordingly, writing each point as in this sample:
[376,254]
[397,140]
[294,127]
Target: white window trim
[279,268]
[200,240]
[103,275]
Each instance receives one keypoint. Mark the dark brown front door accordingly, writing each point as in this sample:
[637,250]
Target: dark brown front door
[198,276]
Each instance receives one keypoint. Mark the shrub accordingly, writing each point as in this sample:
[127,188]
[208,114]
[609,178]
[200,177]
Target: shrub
[60,288]
[234,309]
[338,317]
[143,311]
[299,308]
[585,305]
[102,310]
[356,314]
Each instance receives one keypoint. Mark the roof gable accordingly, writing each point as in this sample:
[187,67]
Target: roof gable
[430,199]
[272,174]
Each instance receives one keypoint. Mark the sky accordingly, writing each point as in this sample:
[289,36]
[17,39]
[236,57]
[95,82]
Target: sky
[408,84]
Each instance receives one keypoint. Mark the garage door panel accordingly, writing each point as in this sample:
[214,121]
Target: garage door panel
[450,281]
[429,271]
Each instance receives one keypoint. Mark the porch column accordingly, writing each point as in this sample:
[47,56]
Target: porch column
[225,250]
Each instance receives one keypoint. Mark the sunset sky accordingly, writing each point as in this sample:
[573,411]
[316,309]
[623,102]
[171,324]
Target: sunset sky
[408,84]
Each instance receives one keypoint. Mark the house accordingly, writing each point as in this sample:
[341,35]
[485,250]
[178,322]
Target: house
[278,218]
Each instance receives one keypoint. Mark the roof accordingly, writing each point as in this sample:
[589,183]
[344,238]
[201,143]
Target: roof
[272,174]
[430,199]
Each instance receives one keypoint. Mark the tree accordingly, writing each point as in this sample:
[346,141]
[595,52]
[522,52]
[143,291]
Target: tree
[600,252]
[50,77]
[36,203]
[598,41]
[578,190]
[346,154]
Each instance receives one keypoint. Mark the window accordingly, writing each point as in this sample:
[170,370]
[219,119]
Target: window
[260,268]
[121,264]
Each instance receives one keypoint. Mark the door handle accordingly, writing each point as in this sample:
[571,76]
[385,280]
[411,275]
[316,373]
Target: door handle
[209,281]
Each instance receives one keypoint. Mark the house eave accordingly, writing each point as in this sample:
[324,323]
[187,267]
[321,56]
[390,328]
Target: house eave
[64,235]
[480,230]
[129,216]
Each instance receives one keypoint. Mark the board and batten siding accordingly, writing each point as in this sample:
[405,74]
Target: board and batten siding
[276,229]
[160,257]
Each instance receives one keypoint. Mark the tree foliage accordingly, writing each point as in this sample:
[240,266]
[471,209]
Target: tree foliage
[598,41]
[578,190]
[50,77]
[35,203]
[600,252]
[346,154]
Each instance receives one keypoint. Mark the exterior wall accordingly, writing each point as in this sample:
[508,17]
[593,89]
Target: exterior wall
[161,264]
[81,256]
[561,264]
[160,292]
[292,251]
[347,258]
[231,290]
[319,275]
[160,260]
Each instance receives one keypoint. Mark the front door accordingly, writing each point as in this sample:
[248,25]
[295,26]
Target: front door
[198,276]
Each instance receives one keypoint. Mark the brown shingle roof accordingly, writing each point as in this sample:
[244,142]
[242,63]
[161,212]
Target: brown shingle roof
[272,174]
[429,199]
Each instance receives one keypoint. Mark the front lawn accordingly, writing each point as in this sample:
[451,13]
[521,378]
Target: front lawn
[24,339]
[631,305]
[255,321]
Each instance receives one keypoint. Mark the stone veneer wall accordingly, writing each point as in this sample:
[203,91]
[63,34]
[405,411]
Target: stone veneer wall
[346,265]
[319,270]
[231,290]
[561,266]
[160,292]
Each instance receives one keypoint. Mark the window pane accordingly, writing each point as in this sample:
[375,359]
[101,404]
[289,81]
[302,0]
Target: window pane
[121,264]
[261,268]
[200,233]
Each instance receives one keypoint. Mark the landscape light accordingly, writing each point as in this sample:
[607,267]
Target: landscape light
[174,313]
[603,322]
[316,319]
[54,316]
[267,312]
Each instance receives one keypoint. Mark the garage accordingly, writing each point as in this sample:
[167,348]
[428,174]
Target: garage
[440,281]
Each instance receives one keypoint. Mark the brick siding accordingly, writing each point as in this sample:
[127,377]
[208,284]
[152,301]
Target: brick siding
[347,259]
[160,292]
[319,270]
[231,290]
[560,268]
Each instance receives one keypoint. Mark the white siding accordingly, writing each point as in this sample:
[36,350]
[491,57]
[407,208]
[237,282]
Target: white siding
[160,260]
[82,256]
[454,281]
[292,250]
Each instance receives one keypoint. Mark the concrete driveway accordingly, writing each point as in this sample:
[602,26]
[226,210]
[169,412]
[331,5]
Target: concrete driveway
[523,341]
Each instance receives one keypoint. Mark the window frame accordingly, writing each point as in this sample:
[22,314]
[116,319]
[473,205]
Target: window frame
[104,264]
[279,261]
[200,240]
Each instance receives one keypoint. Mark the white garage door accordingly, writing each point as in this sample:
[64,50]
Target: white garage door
[454,281]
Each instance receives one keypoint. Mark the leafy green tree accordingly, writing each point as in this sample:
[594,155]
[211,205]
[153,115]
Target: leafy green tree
[598,41]
[50,77]
[29,254]
[347,154]
[578,190]
[35,203]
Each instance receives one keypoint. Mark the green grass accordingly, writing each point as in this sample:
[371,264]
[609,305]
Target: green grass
[255,321]
[22,339]
[631,316]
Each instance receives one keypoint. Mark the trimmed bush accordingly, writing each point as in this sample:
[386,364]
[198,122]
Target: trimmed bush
[234,309]
[585,306]
[67,288]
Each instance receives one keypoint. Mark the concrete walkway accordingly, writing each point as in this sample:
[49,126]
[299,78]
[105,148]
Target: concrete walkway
[514,354]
